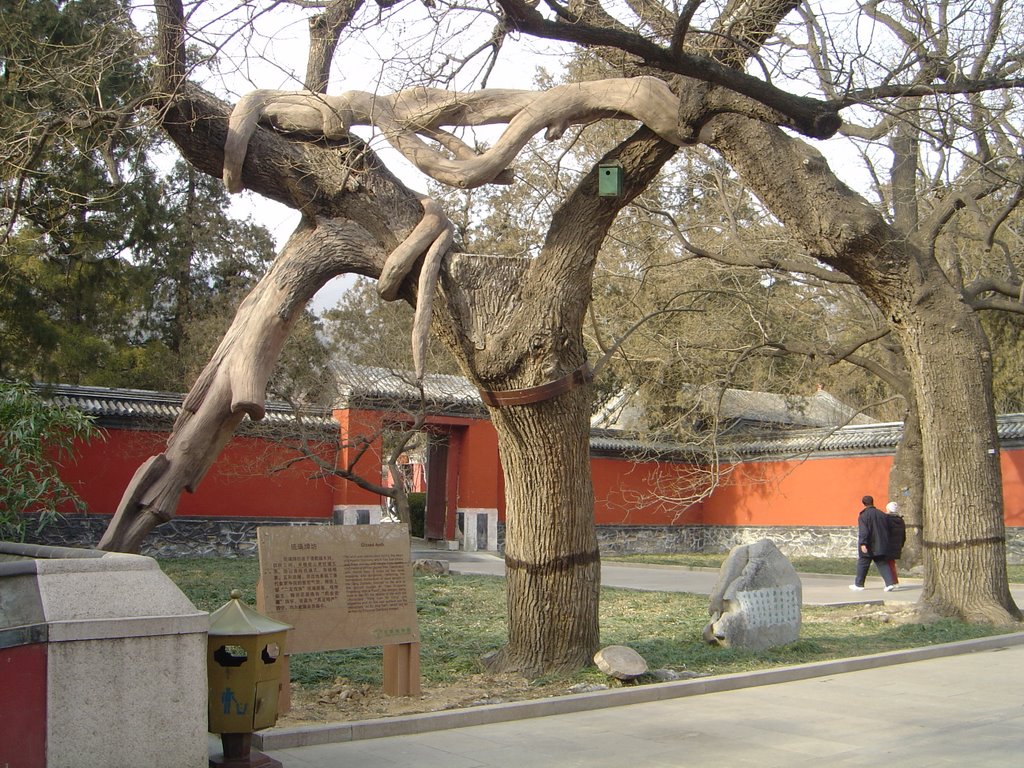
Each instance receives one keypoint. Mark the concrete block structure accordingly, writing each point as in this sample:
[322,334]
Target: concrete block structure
[103,662]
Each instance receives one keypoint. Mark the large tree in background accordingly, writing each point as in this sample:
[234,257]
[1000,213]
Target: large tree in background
[945,169]
[105,260]
[516,324]
[75,189]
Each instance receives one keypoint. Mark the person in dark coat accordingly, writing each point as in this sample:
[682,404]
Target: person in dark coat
[897,536]
[872,545]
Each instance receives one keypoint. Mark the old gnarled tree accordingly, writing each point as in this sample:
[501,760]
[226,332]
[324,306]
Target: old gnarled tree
[519,325]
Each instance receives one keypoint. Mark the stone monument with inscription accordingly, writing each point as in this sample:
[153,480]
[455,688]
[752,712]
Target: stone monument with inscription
[756,600]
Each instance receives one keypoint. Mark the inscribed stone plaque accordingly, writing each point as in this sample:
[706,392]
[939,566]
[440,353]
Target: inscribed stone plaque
[771,606]
[339,586]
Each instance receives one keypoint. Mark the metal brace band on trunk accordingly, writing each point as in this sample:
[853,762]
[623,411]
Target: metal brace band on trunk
[540,393]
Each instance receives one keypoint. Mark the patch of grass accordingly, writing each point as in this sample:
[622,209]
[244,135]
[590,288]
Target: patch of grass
[208,581]
[463,617]
[685,559]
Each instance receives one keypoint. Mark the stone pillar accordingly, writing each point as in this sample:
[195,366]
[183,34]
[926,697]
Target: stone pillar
[357,514]
[480,529]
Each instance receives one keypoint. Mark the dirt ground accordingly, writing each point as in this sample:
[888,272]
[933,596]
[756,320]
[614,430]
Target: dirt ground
[346,701]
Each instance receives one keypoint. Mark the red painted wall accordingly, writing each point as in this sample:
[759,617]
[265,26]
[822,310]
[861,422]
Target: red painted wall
[1012,464]
[240,483]
[820,491]
[645,493]
[481,482]
[356,426]
[817,491]
[23,706]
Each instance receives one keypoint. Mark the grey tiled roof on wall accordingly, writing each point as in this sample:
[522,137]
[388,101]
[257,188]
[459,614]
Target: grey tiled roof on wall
[612,442]
[360,385]
[878,438]
[1011,428]
[849,440]
[128,408]
[141,408]
[114,404]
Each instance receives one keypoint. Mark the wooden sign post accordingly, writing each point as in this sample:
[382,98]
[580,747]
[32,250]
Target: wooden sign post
[402,669]
[344,586]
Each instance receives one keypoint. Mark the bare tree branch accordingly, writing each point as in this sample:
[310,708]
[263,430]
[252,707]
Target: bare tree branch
[324,31]
[957,87]
[748,258]
[811,117]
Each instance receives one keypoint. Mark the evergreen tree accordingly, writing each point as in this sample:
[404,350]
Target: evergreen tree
[104,260]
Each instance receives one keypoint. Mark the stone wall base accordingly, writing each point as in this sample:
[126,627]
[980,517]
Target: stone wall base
[236,537]
[808,541]
[181,537]
[792,541]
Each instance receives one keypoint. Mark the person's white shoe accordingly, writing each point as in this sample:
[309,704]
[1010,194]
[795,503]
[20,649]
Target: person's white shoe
[855,588]
[892,587]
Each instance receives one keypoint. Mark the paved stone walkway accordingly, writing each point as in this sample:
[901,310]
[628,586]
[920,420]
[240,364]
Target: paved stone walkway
[960,710]
[961,704]
[817,589]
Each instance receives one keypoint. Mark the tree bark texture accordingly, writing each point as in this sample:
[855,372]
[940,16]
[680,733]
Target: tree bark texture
[965,538]
[517,323]
[510,336]
[906,486]
[552,563]
[945,348]
[355,213]
[233,384]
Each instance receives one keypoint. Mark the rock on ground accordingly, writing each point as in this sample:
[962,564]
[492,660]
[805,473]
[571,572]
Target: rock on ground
[620,662]
[756,600]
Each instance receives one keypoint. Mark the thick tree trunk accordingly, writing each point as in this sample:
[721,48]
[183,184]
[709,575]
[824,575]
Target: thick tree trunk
[551,559]
[943,344]
[906,486]
[906,481]
[964,532]
[507,336]
[517,323]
